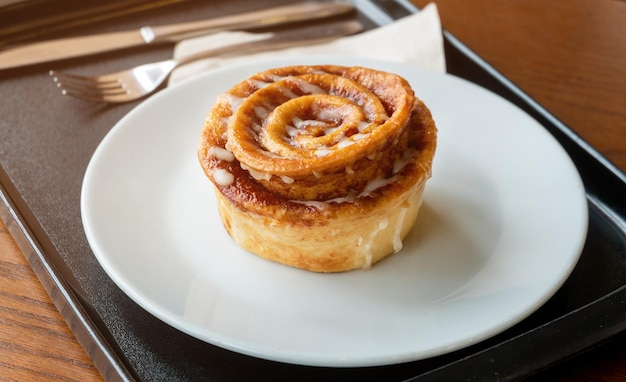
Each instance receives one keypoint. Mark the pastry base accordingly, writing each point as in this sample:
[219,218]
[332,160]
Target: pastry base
[344,242]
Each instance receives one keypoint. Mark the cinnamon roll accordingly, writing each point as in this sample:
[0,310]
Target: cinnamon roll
[319,167]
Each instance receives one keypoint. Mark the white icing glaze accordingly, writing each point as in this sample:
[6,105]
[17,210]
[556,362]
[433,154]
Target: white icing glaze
[403,161]
[368,257]
[261,112]
[345,143]
[328,115]
[330,130]
[286,179]
[222,177]
[321,204]
[233,101]
[258,84]
[382,225]
[221,153]
[270,154]
[376,184]
[292,131]
[275,77]
[369,188]
[321,153]
[288,93]
[299,123]
[397,232]
[258,175]
[363,125]
[312,203]
[307,87]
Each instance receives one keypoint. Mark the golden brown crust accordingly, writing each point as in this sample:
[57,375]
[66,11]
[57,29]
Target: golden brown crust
[319,167]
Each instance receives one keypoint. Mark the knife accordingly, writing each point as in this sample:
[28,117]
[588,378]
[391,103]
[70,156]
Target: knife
[64,48]
[139,81]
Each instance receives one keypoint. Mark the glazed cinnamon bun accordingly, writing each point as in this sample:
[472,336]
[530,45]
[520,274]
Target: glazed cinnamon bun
[319,167]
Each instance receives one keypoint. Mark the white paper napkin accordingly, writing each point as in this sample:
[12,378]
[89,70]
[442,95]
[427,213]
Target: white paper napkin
[415,39]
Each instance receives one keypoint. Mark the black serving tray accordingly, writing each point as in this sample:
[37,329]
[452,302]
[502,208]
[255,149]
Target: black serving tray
[47,142]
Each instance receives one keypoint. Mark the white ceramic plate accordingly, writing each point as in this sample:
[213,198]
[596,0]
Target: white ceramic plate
[502,225]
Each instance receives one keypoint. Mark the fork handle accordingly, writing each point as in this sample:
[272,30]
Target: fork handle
[249,20]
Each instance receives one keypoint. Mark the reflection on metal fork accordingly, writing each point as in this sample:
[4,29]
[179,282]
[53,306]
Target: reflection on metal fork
[123,86]
[132,84]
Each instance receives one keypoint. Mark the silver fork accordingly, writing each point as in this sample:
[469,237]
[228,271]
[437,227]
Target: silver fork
[135,83]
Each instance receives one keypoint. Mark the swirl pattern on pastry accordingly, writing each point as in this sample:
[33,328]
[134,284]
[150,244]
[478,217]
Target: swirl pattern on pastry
[318,146]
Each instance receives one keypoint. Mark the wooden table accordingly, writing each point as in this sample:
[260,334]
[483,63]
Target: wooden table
[570,55]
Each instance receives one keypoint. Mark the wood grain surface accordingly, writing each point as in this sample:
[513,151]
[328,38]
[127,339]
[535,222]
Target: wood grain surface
[570,55]
[35,342]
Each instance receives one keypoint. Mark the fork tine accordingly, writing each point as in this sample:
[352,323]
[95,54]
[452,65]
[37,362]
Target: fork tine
[103,88]
[81,81]
[93,94]
[94,86]
[108,88]
[121,95]
[86,87]
[69,90]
